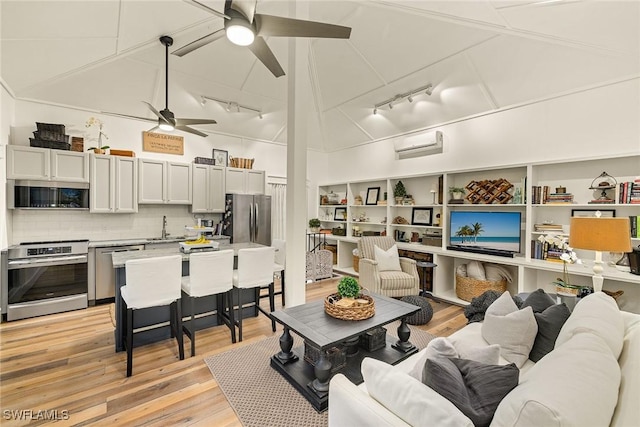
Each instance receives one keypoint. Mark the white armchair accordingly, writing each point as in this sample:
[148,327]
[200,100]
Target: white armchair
[389,283]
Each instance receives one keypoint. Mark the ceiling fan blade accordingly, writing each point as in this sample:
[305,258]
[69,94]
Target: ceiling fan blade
[209,38]
[186,122]
[207,8]
[147,119]
[157,113]
[279,26]
[190,130]
[246,7]
[265,55]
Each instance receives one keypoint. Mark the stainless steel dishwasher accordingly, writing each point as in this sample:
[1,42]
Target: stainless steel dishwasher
[105,275]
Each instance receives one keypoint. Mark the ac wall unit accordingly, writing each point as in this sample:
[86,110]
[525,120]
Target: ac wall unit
[423,141]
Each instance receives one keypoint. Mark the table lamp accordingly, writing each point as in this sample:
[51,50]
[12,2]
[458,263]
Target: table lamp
[600,234]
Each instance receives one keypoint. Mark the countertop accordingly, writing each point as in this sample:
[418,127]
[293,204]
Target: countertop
[120,258]
[144,241]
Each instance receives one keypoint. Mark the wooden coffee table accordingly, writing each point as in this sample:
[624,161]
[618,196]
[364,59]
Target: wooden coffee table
[324,333]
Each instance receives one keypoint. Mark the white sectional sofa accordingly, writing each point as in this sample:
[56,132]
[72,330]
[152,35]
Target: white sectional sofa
[590,378]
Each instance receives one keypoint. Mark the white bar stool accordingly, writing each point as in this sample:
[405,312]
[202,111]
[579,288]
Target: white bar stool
[210,273]
[153,282]
[279,266]
[255,269]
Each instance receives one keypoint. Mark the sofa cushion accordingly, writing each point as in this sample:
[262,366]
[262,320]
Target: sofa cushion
[538,300]
[514,330]
[574,385]
[387,260]
[599,314]
[442,347]
[474,388]
[627,412]
[408,398]
[550,321]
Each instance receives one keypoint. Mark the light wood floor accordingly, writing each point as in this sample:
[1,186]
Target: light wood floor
[67,362]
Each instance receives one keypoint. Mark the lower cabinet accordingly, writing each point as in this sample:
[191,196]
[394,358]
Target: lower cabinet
[113,184]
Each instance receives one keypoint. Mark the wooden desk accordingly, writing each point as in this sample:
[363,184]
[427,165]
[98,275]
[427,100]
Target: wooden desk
[155,320]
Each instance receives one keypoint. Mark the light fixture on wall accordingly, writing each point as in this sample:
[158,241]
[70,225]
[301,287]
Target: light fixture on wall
[409,96]
[229,105]
[600,234]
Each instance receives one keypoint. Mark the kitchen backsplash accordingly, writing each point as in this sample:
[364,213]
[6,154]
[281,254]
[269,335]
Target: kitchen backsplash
[43,225]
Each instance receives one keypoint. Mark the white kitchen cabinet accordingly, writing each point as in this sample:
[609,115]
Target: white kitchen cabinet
[113,184]
[46,164]
[162,182]
[244,181]
[208,189]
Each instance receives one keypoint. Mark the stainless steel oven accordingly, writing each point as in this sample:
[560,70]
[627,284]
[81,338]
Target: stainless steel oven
[46,277]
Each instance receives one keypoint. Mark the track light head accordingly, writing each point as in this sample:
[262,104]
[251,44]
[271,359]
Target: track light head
[228,106]
[260,114]
[410,98]
[375,110]
[429,90]
[203,100]
[391,105]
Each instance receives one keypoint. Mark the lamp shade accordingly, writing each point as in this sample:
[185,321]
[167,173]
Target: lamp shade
[600,234]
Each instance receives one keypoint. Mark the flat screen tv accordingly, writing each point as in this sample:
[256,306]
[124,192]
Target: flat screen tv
[496,233]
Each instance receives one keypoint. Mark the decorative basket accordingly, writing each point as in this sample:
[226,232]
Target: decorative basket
[468,288]
[568,290]
[360,312]
[356,263]
[239,162]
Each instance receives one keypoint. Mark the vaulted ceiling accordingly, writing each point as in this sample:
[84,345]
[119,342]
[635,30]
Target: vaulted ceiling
[479,56]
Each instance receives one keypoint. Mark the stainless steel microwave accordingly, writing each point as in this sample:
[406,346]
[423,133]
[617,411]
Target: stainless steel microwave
[22,194]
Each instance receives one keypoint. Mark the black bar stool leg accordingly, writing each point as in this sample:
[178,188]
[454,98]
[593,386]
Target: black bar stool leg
[272,305]
[282,287]
[129,344]
[192,325]
[178,327]
[239,316]
[232,321]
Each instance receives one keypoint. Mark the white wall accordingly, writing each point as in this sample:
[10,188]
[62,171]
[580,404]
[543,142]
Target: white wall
[7,113]
[598,122]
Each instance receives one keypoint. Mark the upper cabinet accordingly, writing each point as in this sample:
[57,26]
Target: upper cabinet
[208,188]
[161,182]
[46,164]
[244,181]
[113,184]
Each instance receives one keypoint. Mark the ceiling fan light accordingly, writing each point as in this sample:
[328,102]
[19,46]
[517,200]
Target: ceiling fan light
[165,127]
[239,32]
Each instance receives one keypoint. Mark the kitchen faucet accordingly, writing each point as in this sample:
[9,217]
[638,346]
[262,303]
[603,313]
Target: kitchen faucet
[164,227]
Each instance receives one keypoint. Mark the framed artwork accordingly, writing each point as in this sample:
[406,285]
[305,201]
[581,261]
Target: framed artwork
[422,216]
[221,157]
[372,195]
[606,213]
[340,214]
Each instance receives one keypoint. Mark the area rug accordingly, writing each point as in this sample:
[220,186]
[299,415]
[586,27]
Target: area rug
[260,396]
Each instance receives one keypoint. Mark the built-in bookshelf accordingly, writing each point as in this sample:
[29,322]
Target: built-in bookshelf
[423,217]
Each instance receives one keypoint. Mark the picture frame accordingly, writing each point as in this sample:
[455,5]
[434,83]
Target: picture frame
[373,193]
[340,214]
[606,213]
[422,216]
[221,157]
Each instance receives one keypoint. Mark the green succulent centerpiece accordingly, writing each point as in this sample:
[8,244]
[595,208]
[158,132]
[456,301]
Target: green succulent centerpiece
[348,287]
[349,303]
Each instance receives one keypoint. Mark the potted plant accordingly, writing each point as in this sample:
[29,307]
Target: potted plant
[100,149]
[399,191]
[349,303]
[314,224]
[456,192]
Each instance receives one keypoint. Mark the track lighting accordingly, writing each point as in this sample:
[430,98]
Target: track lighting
[229,105]
[427,89]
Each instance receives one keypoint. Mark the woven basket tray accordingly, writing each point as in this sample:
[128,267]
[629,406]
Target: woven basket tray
[468,288]
[361,312]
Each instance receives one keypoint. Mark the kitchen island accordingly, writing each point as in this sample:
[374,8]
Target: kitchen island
[152,324]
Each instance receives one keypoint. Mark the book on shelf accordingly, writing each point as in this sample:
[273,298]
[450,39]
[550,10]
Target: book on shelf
[634,225]
[629,192]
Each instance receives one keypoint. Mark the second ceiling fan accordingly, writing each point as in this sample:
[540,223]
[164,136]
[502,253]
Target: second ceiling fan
[244,27]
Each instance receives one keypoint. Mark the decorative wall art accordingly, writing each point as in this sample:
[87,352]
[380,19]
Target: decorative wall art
[422,216]
[221,157]
[372,195]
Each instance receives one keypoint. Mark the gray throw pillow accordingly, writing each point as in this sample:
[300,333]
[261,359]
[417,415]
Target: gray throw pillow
[539,301]
[474,388]
[549,323]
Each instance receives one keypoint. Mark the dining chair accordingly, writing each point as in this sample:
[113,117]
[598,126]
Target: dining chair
[152,282]
[210,273]
[255,270]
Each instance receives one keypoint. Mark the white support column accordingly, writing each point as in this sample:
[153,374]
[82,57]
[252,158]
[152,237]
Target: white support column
[297,104]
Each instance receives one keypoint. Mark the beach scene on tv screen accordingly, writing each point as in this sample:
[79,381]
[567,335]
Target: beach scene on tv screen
[491,230]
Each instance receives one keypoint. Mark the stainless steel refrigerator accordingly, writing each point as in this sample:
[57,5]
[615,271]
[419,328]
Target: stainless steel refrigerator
[247,218]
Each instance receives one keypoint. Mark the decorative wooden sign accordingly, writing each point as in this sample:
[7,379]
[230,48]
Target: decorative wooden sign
[489,191]
[162,143]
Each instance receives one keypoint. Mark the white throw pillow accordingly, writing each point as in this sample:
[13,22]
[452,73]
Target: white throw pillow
[503,305]
[496,273]
[574,385]
[489,355]
[387,260]
[598,314]
[515,332]
[475,270]
[437,347]
[414,402]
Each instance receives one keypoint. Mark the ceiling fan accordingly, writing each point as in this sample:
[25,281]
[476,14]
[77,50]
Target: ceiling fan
[244,27]
[166,119]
